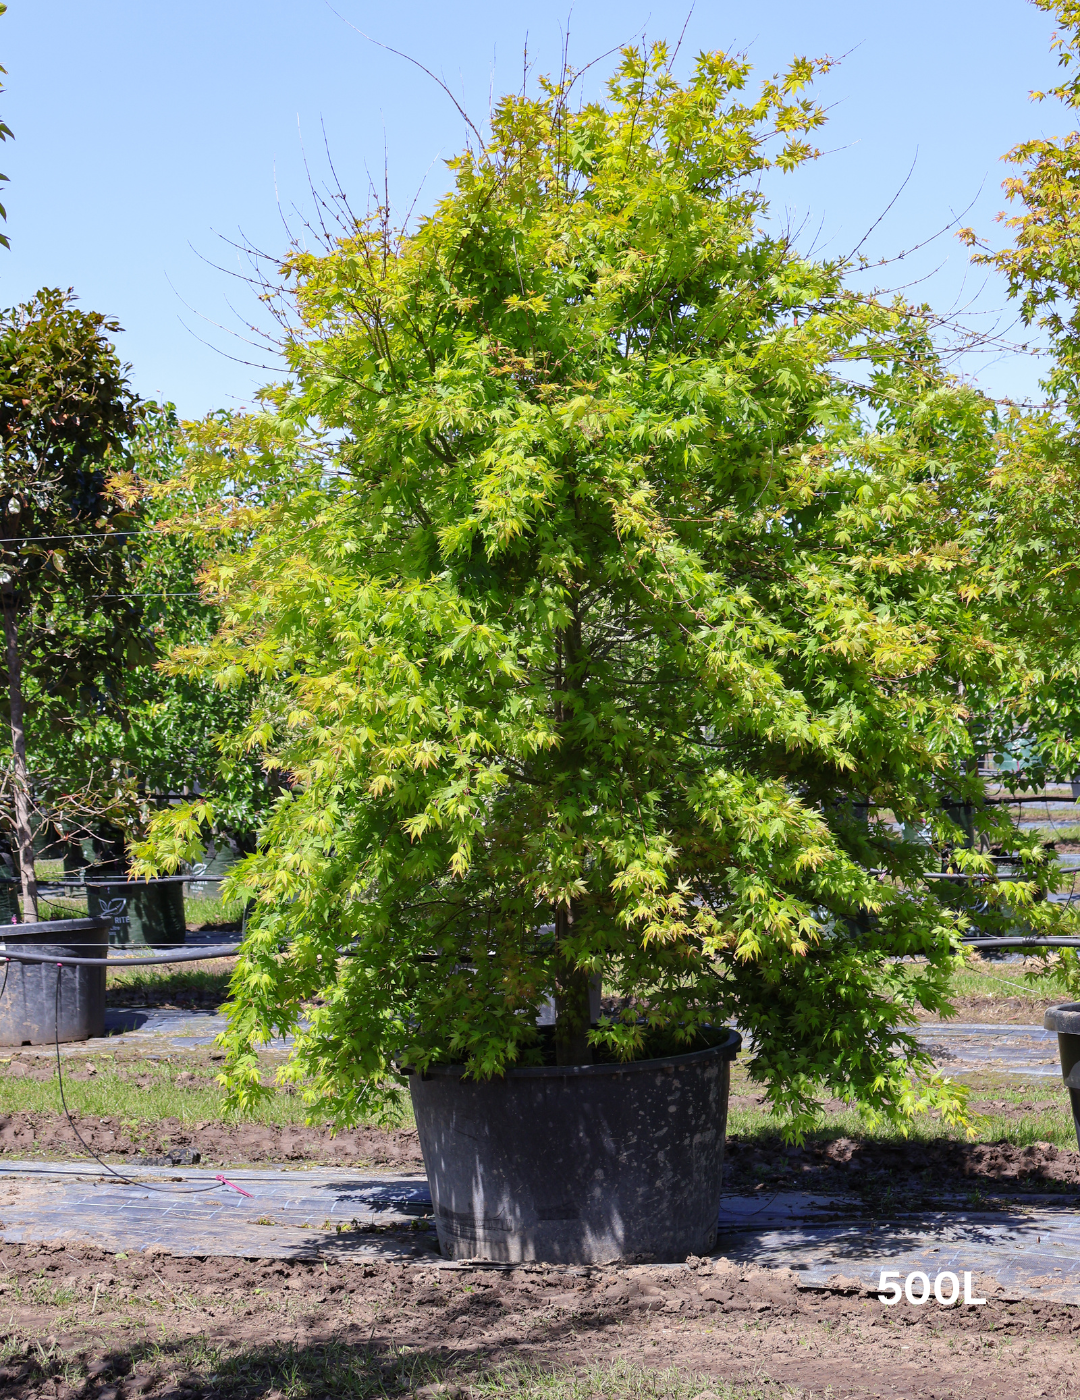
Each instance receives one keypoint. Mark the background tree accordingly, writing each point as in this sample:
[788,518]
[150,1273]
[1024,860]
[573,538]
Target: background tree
[72,625]
[620,623]
[5,132]
[99,765]
[1036,487]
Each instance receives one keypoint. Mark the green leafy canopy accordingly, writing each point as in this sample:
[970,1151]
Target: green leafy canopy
[623,575]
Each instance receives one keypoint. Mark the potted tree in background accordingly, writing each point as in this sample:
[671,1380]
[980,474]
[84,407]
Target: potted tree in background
[617,628]
[71,628]
[1041,470]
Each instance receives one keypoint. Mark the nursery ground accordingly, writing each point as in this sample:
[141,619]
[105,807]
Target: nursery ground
[79,1322]
[133,1096]
[1026,1142]
[1008,989]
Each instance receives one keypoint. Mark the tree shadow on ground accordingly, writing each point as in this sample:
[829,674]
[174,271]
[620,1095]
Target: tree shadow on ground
[201,1367]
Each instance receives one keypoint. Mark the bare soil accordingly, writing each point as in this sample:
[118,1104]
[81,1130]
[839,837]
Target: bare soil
[50,1135]
[917,1169]
[85,1324]
[994,1010]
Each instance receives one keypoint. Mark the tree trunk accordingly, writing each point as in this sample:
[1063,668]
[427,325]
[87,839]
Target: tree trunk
[571,983]
[572,1012]
[24,839]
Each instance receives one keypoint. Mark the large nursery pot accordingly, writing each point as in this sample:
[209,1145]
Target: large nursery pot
[1065,1020]
[28,1006]
[578,1164]
[141,913]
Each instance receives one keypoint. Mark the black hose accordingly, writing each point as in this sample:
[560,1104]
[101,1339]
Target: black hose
[228,950]
[149,1186]
[1019,942]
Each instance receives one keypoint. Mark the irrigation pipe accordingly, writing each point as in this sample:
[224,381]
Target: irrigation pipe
[59,963]
[146,1185]
[1020,942]
[227,950]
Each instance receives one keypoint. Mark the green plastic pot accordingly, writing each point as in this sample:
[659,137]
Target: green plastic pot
[211,874]
[141,913]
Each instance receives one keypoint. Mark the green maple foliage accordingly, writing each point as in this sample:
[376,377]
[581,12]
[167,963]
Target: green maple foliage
[1035,710]
[620,575]
[1042,269]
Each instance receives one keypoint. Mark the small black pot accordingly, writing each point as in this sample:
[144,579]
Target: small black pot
[1065,1020]
[578,1164]
[28,1006]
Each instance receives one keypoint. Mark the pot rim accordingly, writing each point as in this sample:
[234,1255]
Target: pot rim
[10,932]
[1063,1018]
[726,1050]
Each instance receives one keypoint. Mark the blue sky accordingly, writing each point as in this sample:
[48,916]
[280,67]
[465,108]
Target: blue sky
[149,134]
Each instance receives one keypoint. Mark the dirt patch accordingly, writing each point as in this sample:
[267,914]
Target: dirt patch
[992,1010]
[1018,1112]
[83,1323]
[225,1144]
[920,1169]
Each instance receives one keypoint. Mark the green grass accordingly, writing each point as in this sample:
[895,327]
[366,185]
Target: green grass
[198,913]
[61,908]
[617,1381]
[1004,980]
[112,1093]
[206,983]
[1053,1125]
[1058,833]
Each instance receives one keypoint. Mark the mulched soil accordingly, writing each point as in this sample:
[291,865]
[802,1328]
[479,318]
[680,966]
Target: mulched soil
[85,1324]
[985,1010]
[920,1169]
[49,1134]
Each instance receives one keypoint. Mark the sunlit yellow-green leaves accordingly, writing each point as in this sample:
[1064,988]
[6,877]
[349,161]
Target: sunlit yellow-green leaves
[598,592]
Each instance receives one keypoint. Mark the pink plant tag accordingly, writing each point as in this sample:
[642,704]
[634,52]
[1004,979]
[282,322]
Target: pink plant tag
[226,1182]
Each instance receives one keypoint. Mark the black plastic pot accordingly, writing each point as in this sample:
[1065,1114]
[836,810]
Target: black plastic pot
[141,913]
[1065,1020]
[28,1005]
[582,1164]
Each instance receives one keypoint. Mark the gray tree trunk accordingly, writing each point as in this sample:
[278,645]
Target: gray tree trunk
[24,838]
[572,1004]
